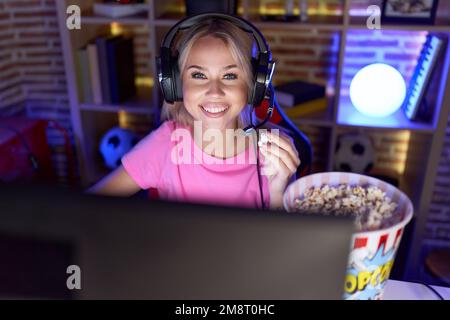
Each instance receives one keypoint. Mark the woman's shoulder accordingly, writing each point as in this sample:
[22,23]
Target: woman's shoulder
[167,126]
[161,135]
[164,131]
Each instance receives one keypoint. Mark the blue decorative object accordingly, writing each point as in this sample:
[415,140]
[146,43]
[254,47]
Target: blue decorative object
[115,144]
[377,90]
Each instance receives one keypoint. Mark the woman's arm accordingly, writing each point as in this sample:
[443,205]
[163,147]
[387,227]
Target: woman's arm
[117,183]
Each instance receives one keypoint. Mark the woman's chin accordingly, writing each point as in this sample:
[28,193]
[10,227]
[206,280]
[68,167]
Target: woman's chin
[215,123]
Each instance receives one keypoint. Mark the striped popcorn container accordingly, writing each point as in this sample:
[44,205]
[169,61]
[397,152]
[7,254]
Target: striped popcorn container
[372,253]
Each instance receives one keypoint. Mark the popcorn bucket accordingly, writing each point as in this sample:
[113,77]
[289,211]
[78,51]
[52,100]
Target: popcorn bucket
[372,253]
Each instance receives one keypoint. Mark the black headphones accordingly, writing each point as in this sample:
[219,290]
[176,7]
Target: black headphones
[167,64]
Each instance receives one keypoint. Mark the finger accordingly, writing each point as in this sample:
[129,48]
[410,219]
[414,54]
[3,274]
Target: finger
[282,155]
[274,165]
[270,165]
[282,139]
[284,142]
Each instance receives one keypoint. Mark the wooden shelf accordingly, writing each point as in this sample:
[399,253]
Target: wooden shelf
[348,115]
[140,104]
[321,118]
[360,23]
[403,28]
[144,109]
[314,21]
[89,17]
[165,22]
[174,16]
[297,26]
[270,24]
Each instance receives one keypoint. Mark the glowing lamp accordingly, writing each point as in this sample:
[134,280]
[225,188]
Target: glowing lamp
[377,90]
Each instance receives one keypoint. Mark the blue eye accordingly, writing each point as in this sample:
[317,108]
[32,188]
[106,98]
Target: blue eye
[230,76]
[198,75]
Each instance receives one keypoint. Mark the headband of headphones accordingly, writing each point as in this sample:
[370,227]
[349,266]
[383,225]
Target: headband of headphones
[188,22]
[167,64]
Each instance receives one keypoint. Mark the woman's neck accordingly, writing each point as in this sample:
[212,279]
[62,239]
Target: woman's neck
[220,143]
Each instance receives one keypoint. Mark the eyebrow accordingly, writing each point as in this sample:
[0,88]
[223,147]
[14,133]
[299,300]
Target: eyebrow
[231,66]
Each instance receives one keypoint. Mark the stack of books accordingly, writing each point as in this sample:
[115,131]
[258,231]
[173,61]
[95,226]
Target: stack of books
[300,98]
[105,70]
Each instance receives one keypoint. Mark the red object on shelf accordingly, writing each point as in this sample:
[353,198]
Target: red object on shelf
[23,140]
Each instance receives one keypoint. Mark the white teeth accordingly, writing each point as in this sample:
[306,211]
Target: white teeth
[214,109]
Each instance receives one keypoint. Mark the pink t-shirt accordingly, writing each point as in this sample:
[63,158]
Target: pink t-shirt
[169,160]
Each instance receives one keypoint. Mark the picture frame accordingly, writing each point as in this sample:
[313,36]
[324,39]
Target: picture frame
[409,11]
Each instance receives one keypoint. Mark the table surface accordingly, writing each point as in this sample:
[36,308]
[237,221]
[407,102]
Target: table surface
[402,290]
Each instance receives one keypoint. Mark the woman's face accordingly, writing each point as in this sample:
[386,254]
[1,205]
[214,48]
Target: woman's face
[214,89]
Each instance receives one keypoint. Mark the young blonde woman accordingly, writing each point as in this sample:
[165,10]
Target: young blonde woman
[192,156]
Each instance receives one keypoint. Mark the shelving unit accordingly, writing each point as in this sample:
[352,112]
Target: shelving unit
[425,139]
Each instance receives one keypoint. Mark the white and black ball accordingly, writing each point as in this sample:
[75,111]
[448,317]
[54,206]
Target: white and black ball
[354,153]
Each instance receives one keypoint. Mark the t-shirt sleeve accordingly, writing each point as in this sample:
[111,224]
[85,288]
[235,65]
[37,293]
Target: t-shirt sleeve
[144,163]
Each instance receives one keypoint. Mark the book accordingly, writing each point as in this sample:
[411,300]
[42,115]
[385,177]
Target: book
[117,10]
[83,76]
[296,92]
[306,108]
[120,52]
[415,105]
[103,66]
[94,73]
[78,73]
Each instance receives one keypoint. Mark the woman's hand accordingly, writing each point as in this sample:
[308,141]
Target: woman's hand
[280,163]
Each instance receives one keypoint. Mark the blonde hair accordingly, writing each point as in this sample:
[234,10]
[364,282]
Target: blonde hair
[238,42]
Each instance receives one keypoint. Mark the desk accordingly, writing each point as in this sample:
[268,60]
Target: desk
[401,290]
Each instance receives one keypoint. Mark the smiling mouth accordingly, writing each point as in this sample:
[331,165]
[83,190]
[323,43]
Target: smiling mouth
[215,109]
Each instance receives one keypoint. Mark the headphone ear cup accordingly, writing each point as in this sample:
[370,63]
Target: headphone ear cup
[165,75]
[176,77]
[259,82]
[260,93]
[251,97]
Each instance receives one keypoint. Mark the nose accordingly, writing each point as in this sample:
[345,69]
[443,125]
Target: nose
[215,89]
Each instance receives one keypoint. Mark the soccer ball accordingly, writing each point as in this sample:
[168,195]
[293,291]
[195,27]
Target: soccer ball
[115,144]
[354,153]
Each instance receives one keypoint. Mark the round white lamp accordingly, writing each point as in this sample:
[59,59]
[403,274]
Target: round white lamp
[377,90]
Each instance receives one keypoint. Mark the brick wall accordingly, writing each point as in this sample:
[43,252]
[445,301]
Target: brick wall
[438,226]
[11,94]
[34,70]
[303,54]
